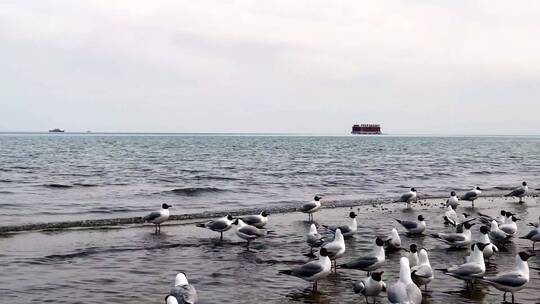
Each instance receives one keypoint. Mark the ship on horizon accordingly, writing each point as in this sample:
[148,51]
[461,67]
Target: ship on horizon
[365,129]
[57,130]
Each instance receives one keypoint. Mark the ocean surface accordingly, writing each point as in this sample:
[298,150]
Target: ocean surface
[62,177]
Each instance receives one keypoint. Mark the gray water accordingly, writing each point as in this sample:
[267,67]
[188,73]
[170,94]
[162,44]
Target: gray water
[53,177]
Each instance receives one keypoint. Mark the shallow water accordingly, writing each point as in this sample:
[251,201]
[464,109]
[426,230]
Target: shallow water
[131,265]
[53,177]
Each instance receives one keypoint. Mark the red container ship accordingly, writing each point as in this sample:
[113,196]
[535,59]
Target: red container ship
[366,129]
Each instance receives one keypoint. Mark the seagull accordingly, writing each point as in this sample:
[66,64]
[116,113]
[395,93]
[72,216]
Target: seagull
[537,224]
[393,241]
[414,227]
[422,274]
[510,226]
[472,195]
[311,207]
[533,236]
[336,248]
[458,239]
[158,217]
[183,292]
[219,225]
[346,230]
[519,192]
[486,219]
[370,262]
[408,198]
[258,221]
[450,216]
[370,286]
[248,232]
[314,270]
[453,200]
[313,238]
[412,255]
[490,248]
[514,280]
[473,269]
[496,234]
[404,290]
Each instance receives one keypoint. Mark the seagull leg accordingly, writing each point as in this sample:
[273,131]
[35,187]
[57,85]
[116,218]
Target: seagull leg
[504,297]
[512,298]
[221,237]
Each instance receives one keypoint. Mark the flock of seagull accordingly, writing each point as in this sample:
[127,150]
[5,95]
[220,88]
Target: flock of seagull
[415,268]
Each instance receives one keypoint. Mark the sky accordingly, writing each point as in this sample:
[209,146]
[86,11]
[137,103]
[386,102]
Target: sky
[416,67]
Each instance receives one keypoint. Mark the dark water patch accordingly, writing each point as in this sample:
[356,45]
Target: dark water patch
[194,191]
[6,181]
[24,167]
[85,185]
[5,170]
[57,186]
[211,177]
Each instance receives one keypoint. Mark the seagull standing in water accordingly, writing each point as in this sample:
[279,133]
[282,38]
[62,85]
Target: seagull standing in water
[512,281]
[404,290]
[158,217]
[519,192]
[414,227]
[490,248]
[370,262]
[311,207]
[422,274]
[408,198]
[313,238]
[314,270]
[453,200]
[458,239]
[533,236]
[336,248]
[473,269]
[370,286]
[412,255]
[183,292]
[393,241]
[346,230]
[450,216]
[219,225]
[248,232]
[258,221]
[510,226]
[496,234]
[472,195]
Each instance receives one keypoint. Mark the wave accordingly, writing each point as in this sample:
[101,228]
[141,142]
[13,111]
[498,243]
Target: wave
[57,186]
[194,191]
[210,177]
[6,192]
[85,185]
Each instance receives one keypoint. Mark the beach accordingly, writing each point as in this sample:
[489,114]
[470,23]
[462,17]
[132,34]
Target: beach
[129,264]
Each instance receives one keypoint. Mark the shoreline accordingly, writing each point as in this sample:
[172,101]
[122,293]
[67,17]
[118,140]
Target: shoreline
[289,208]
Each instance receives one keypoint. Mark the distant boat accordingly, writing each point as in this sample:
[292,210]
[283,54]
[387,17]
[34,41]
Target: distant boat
[366,129]
[57,130]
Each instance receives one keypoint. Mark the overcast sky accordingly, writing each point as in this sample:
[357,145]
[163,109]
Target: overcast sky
[445,67]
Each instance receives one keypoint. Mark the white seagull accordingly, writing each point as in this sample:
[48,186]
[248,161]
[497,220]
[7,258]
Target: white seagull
[314,270]
[533,236]
[512,281]
[453,200]
[450,216]
[370,262]
[313,238]
[509,226]
[346,230]
[370,286]
[496,234]
[258,221]
[412,255]
[458,239]
[336,248]
[219,225]
[472,195]
[158,217]
[490,248]
[408,198]
[519,192]
[422,274]
[311,207]
[248,232]
[473,269]
[414,227]
[393,241]
[183,292]
[404,290]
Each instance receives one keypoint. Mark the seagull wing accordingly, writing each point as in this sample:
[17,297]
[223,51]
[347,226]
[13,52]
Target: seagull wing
[308,206]
[509,279]
[361,263]
[252,231]
[217,225]
[307,270]
[152,216]
[185,294]
[408,224]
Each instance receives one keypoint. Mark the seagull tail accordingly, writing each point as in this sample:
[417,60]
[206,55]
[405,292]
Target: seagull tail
[445,270]
[399,221]
[287,272]
[448,221]
[435,236]
[201,225]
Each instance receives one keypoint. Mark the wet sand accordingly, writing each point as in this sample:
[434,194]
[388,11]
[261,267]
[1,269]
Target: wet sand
[128,264]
